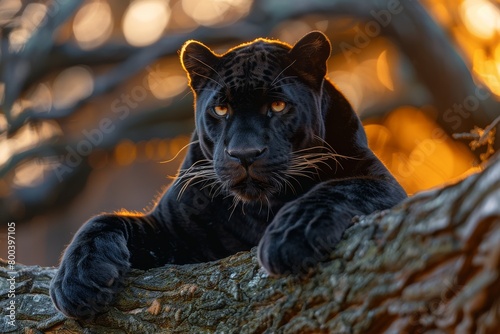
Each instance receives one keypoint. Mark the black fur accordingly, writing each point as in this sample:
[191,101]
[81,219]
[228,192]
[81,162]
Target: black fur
[287,180]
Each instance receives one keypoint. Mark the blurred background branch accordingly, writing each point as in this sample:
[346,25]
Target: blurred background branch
[93,95]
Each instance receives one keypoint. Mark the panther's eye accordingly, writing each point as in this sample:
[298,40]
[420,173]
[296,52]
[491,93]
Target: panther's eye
[278,106]
[221,110]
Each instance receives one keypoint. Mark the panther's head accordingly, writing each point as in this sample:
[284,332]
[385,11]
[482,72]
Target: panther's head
[258,111]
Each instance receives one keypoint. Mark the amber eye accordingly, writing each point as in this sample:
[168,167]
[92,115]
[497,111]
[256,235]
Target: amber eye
[221,110]
[278,106]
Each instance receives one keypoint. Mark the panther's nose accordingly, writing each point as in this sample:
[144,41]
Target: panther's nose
[246,156]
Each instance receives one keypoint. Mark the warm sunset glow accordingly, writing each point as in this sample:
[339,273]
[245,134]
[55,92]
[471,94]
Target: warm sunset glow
[349,85]
[293,31]
[26,138]
[93,24]
[29,174]
[417,151]
[384,71]
[72,85]
[94,44]
[481,17]
[167,87]
[162,149]
[177,144]
[410,126]
[125,153]
[440,12]
[211,12]
[488,69]
[145,21]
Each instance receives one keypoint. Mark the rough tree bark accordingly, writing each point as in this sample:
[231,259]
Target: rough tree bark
[429,264]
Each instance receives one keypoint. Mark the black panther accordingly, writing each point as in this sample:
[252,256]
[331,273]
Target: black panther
[278,160]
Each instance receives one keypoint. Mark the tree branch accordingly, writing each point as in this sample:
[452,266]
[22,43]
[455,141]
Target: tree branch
[431,263]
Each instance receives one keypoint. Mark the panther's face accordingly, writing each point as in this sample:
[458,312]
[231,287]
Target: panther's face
[258,114]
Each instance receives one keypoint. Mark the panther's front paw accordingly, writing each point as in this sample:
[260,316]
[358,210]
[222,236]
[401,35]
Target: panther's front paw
[301,235]
[90,275]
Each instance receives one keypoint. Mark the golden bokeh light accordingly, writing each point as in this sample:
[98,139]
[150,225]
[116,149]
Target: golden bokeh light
[32,16]
[150,148]
[72,85]
[41,98]
[163,149]
[3,124]
[487,68]
[177,144]
[93,24]
[212,12]
[125,153]
[27,138]
[410,125]
[384,72]
[292,31]
[145,21]
[167,87]
[481,17]
[478,35]
[349,85]
[440,12]
[417,151]
[30,174]
[2,92]
[8,8]
[370,78]
[5,150]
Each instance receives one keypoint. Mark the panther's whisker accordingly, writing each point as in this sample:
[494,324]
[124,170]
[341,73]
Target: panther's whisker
[187,182]
[236,201]
[300,172]
[211,184]
[195,174]
[210,67]
[313,162]
[189,91]
[177,154]
[269,208]
[280,179]
[200,171]
[284,78]
[207,77]
[218,190]
[195,165]
[286,68]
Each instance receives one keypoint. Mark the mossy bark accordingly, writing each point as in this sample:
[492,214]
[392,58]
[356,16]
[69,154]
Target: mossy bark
[429,264]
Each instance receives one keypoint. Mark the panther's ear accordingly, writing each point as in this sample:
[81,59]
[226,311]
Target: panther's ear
[310,54]
[199,62]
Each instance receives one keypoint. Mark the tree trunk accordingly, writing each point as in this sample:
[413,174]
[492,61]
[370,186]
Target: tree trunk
[429,264]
